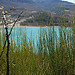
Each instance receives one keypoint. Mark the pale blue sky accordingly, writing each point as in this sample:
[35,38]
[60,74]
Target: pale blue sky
[73,1]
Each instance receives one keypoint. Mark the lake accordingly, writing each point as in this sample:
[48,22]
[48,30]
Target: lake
[34,33]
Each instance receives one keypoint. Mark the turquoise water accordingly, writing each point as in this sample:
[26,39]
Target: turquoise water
[33,33]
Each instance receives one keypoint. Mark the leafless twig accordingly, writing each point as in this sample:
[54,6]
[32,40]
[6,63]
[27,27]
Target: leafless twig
[10,32]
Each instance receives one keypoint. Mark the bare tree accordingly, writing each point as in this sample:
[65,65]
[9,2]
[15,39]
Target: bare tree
[7,37]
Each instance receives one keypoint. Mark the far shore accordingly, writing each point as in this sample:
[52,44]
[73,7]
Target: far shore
[38,26]
[30,26]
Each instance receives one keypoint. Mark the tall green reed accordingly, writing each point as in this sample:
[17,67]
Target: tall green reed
[54,56]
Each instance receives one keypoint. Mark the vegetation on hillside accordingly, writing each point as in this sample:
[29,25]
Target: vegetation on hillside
[45,19]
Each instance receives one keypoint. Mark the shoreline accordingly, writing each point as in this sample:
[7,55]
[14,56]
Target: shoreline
[38,26]
[31,26]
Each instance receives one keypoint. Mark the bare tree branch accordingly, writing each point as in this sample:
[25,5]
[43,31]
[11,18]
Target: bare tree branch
[10,32]
[15,22]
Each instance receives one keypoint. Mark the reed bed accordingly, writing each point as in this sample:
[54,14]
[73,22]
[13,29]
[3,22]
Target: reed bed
[51,57]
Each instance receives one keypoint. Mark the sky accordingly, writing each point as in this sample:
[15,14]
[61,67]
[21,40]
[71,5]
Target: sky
[73,1]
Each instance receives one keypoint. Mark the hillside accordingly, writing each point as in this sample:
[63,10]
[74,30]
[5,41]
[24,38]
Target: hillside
[26,1]
[19,4]
[54,5]
[33,8]
[48,5]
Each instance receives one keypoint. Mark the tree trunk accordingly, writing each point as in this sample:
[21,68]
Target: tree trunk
[7,55]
